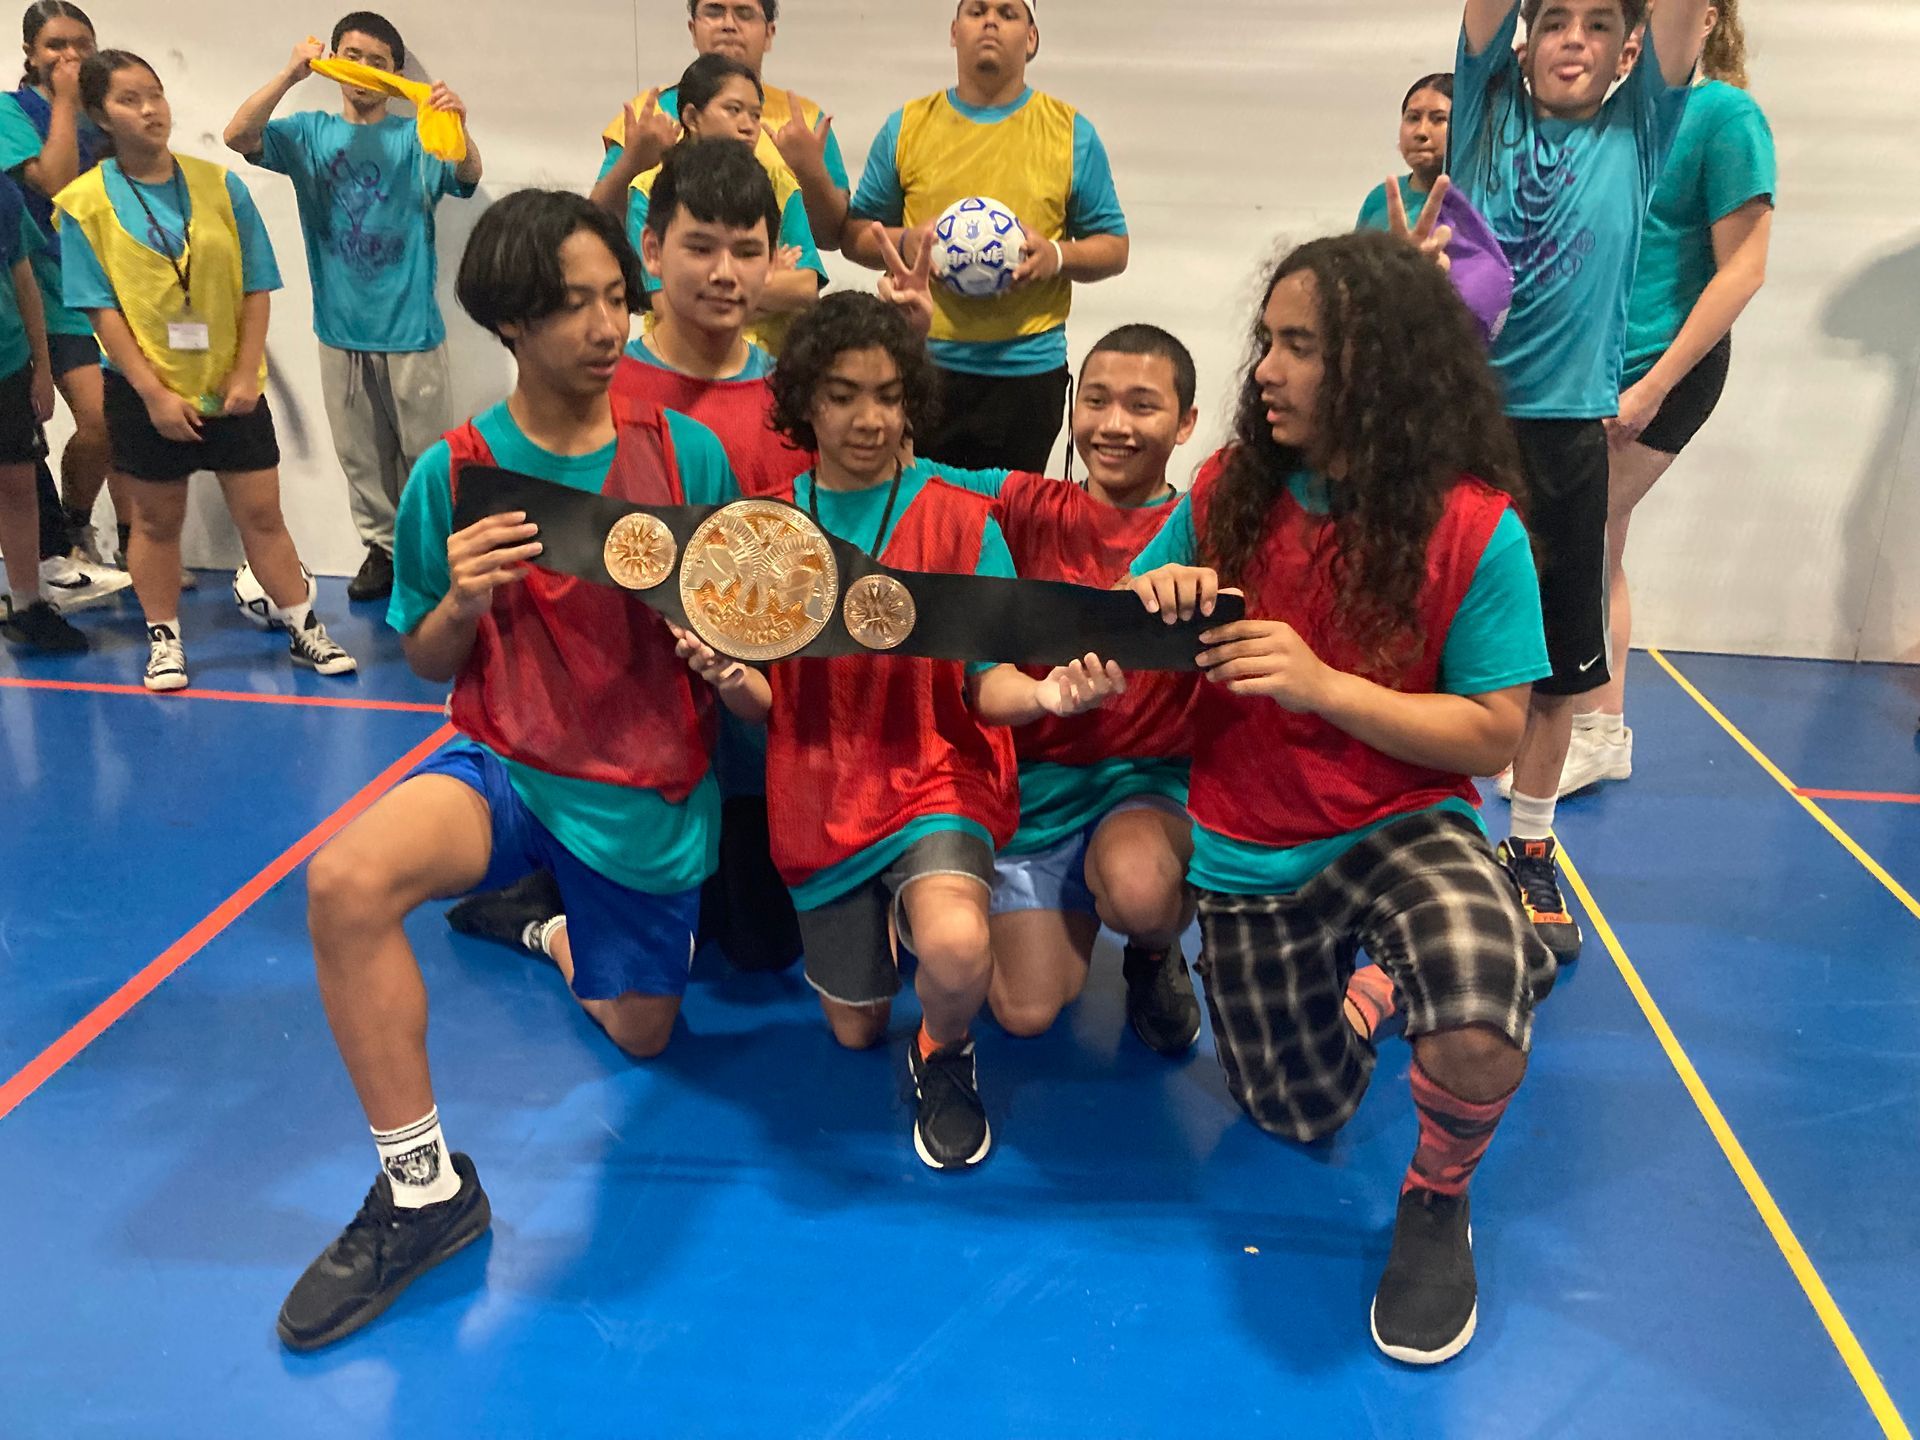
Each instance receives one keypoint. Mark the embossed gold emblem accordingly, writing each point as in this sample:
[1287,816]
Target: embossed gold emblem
[759,580]
[639,552]
[879,611]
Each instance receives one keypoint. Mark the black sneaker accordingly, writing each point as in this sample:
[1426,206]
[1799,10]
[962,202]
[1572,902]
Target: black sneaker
[951,1131]
[384,1250]
[1428,1302]
[314,648]
[1531,864]
[1161,1006]
[374,579]
[42,630]
[504,916]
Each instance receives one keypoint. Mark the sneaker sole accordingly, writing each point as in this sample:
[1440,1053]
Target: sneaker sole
[346,667]
[1185,1047]
[920,1148]
[167,683]
[380,1306]
[1408,1356]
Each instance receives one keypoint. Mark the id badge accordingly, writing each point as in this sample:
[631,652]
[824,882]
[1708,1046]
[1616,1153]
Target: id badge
[188,333]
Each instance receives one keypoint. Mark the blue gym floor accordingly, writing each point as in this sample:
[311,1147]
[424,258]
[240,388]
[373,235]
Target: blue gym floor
[737,1239]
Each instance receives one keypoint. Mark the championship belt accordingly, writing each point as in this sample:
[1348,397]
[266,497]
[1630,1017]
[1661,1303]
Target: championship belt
[759,580]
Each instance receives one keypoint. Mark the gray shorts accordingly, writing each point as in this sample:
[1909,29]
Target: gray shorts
[849,949]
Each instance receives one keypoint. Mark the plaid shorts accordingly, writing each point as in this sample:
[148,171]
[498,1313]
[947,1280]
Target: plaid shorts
[1425,897]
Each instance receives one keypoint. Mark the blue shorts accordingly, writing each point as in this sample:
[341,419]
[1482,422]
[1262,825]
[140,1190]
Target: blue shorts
[1056,878]
[624,941]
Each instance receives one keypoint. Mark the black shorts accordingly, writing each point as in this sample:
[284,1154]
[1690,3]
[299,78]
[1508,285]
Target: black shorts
[1566,468]
[848,946]
[22,442]
[1690,402]
[744,907]
[997,422]
[72,352]
[228,444]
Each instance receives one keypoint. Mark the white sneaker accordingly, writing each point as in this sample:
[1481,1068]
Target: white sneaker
[1591,758]
[318,651]
[71,585]
[166,659]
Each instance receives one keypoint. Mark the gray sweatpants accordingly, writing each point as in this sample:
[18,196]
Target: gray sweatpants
[385,411]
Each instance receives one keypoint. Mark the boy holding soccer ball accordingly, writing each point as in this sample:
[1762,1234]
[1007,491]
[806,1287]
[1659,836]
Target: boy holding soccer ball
[1002,357]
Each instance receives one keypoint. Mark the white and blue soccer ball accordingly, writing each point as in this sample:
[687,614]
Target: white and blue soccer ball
[252,599]
[977,245]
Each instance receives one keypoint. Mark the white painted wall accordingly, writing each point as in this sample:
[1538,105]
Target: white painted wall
[1235,127]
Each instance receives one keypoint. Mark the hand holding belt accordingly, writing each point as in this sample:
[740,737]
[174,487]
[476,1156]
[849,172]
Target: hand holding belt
[759,580]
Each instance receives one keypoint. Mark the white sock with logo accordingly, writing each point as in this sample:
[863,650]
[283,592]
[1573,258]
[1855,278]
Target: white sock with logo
[1532,818]
[417,1163]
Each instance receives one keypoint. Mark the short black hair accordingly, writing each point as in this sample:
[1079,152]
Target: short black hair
[97,72]
[367,22]
[702,80]
[849,320]
[718,181]
[1152,340]
[1441,80]
[510,273]
[768,8]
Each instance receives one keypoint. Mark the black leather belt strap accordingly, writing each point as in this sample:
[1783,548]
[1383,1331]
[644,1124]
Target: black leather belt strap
[959,617]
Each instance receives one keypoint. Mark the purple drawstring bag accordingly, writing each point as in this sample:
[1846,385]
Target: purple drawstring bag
[1480,271]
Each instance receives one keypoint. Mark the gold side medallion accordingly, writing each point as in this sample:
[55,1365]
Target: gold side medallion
[639,552]
[879,611]
[759,581]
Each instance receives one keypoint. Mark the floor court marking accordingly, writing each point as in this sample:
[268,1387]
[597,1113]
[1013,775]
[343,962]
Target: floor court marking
[321,702]
[48,1062]
[1873,797]
[1838,1331]
[1802,798]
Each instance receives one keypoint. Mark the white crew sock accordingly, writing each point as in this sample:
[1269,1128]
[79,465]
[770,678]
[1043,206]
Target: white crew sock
[417,1162]
[294,617]
[1606,726]
[172,627]
[1532,818]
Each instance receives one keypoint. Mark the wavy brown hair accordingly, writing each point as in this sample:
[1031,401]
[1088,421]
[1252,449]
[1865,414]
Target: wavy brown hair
[1407,405]
[1725,55]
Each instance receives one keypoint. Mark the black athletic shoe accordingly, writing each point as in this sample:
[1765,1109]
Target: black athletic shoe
[384,1250]
[1161,1006]
[951,1131]
[374,579]
[42,630]
[1428,1301]
[503,916]
[1531,864]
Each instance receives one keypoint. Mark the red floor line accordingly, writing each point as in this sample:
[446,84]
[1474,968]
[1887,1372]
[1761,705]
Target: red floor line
[323,702]
[48,1062]
[1881,797]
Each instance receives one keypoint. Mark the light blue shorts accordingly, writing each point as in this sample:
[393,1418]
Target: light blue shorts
[1056,878]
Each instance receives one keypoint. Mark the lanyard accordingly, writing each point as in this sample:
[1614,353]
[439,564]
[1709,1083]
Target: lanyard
[182,272]
[880,535]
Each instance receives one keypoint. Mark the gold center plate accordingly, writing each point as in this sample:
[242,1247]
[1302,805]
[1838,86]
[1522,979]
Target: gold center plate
[879,611]
[759,580]
[639,552]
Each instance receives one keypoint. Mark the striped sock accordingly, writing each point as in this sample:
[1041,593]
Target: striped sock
[1370,1000]
[1454,1134]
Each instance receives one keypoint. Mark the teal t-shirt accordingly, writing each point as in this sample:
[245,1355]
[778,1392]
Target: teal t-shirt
[1497,640]
[758,366]
[1093,208]
[1374,212]
[22,137]
[1721,159]
[19,237]
[855,516]
[367,195]
[634,837]
[1566,199]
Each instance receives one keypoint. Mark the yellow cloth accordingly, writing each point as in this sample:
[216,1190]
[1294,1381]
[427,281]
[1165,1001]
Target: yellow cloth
[441,133]
[148,287]
[1026,163]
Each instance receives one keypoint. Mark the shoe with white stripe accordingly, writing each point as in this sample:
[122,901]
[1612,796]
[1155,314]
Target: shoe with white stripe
[312,647]
[166,659]
[69,585]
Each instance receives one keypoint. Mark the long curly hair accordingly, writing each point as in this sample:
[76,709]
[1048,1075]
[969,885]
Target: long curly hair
[1407,405]
[1725,55]
[849,320]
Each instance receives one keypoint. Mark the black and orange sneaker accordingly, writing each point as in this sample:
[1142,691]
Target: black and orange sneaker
[1532,864]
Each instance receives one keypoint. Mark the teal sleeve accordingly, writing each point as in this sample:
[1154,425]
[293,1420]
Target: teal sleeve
[1173,544]
[281,143]
[83,283]
[1657,108]
[880,196]
[706,475]
[19,141]
[1093,208]
[1373,210]
[638,206]
[1740,162]
[608,161]
[420,532]
[995,560]
[836,162]
[1473,78]
[981,482]
[443,177]
[796,234]
[258,269]
[1497,638]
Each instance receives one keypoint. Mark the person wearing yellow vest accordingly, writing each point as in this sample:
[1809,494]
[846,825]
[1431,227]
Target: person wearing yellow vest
[720,99]
[367,187]
[793,128]
[1003,358]
[168,257]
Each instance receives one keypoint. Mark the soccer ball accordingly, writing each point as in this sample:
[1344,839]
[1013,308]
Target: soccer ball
[252,598]
[976,246]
